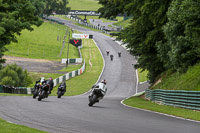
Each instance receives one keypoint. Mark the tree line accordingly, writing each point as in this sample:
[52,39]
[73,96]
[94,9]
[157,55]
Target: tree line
[164,34]
[17,15]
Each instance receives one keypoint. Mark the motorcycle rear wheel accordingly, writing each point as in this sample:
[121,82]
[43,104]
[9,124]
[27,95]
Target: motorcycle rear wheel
[59,94]
[92,100]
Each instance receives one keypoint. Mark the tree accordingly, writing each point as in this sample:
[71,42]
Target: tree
[14,75]
[111,8]
[55,5]
[15,15]
[39,5]
[182,48]
[144,31]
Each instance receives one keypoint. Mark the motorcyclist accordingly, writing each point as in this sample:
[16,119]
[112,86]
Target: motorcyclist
[104,81]
[63,84]
[107,52]
[111,57]
[101,85]
[119,53]
[38,82]
[51,84]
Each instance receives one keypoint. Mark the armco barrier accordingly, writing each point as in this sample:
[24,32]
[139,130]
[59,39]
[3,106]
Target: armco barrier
[15,90]
[1,88]
[178,98]
[69,75]
[24,90]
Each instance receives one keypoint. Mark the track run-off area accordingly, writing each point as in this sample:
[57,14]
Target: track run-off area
[73,115]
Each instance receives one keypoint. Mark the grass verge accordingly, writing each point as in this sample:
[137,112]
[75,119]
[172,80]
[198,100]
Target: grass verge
[45,42]
[71,68]
[97,17]
[94,65]
[142,75]
[91,5]
[181,81]
[7,127]
[86,27]
[139,102]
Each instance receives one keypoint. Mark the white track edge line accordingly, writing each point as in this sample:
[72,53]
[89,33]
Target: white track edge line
[122,102]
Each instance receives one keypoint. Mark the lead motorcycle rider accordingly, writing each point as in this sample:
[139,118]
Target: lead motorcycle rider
[102,86]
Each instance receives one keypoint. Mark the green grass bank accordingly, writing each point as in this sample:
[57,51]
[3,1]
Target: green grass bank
[139,102]
[180,81]
[6,127]
[91,5]
[45,42]
[94,65]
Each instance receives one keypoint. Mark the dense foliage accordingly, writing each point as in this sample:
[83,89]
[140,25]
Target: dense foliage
[163,34]
[55,5]
[182,32]
[14,75]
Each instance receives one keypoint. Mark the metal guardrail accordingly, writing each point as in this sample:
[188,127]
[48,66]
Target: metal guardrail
[69,75]
[15,90]
[178,98]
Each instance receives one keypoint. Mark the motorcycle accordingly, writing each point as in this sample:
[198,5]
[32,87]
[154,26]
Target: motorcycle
[43,91]
[98,92]
[61,89]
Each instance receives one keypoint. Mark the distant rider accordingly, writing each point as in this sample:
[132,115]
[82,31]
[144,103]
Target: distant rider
[63,84]
[107,52]
[111,57]
[119,53]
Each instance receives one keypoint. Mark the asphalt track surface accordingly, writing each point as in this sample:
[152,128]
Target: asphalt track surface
[73,115]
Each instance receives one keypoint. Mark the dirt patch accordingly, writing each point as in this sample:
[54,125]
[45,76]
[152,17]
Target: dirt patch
[35,65]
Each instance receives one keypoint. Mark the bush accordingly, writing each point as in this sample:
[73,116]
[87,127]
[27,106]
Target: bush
[15,76]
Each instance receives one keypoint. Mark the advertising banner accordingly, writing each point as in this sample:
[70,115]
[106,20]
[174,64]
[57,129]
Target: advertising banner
[74,35]
[81,12]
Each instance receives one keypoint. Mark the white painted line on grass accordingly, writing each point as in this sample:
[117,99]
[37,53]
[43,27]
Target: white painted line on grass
[11,122]
[143,82]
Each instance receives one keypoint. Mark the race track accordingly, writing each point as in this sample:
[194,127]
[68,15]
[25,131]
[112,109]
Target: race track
[73,115]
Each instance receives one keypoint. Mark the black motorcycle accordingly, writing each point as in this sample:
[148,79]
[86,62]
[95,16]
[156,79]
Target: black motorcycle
[43,91]
[61,89]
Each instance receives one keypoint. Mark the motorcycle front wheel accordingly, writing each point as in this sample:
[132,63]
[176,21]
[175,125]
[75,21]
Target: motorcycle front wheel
[41,95]
[35,93]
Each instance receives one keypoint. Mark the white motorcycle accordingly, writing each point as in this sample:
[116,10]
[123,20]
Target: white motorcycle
[98,92]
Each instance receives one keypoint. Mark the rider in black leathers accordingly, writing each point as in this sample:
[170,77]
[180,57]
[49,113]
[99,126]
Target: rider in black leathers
[51,84]
[63,84]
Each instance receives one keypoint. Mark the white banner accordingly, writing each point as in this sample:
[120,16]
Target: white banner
[74,35]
